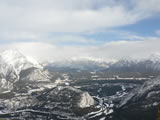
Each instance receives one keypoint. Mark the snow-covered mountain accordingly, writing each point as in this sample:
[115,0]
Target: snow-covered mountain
[153,62]
[18,61]
[82,63]
[13,67]
[149,64]
[135,68]
[74,94]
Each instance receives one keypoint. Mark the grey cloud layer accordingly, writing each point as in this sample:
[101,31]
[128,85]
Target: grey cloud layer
[108,51]
[72,15]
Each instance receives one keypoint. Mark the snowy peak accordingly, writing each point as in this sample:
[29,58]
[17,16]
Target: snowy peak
[15,67]
[18,61]
[82,63]
[155,57]
[96,64]
[11,54]
[125,62]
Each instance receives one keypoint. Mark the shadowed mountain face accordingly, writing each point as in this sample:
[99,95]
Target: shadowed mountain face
[141,103]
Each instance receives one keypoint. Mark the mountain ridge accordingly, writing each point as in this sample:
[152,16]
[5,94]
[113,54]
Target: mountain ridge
[13,63]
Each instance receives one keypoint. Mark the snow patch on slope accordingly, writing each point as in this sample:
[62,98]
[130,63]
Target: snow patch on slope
[37,75]
[155,57]
[86,100]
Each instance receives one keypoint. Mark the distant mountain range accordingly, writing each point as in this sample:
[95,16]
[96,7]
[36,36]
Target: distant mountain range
[13,59]
[80,63]
[123,67]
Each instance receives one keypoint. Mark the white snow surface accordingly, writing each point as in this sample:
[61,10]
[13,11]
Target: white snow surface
[37,75]
[154,57]
[18,61]
[86,100]
[12,62]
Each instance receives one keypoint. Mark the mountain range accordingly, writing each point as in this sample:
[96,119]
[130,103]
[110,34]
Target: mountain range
[55,90]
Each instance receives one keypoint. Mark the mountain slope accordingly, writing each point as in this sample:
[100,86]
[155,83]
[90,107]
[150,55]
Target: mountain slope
[142,103]
[135,68]
[124,67]
[61,102]
[13,67]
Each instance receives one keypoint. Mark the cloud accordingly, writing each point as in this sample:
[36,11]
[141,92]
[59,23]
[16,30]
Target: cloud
[109,51]
[71,15]
[132,49]
[43,28]
[45,51]
[37,20]
[70,38]
[149,6]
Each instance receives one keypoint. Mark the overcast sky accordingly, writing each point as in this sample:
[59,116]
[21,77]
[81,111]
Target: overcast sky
[62,29]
